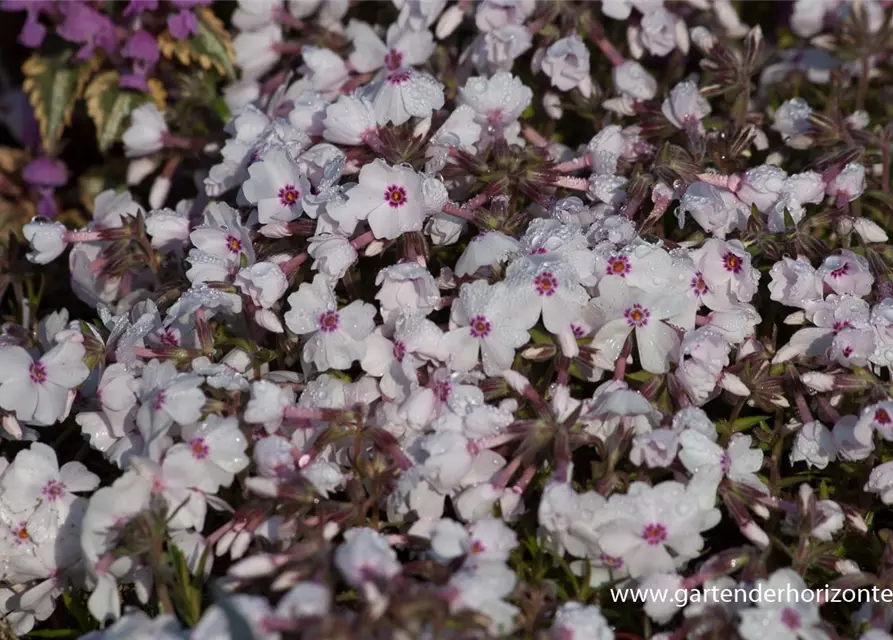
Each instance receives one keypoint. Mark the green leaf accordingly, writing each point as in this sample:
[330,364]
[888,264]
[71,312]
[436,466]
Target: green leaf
[54,633]
[77,608]
[211,48]
[541,337]
[864,374]
[110,106]
[742,424]
[53,86]
[789,220]
[884,198]
[186,591]
[219,106]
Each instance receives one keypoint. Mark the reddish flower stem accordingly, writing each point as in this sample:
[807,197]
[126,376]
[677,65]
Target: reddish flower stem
[573,165]
[288,268]
[534,137]
[571,182]
[598,37]
[363,240]
[457,211]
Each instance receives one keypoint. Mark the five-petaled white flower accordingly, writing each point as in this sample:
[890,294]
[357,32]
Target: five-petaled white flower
[335,337]
[484,324]
[389,198]
[37,390]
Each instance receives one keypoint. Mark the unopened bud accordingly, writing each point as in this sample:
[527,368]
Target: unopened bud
[286,580]
[703,39]
[760,510]
[846,567]
[265,487]
[159,191]
[374,248]
[516,381]
[539,352]
[11,426]
[817,381]
[330,530]
[422,128]
[253,567]
[855,518]
[225,542]
[240,545]
[449,21]
[140,169]
[568,343]
[552,105]
[733,384]
[755,534]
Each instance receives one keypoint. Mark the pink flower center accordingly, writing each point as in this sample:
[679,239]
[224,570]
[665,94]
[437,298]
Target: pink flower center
[654,533]
[790,618]
[395,196]
[168,338]
[233,244]
[840,325]
[618,266]
[579,331]
[698,285]
[610,562]
[881,416]
[158,400]
[398,77]
[496,117]
[443,390]
[725,463]
[477,547]
[328,321]
[399,351]
[539,251]
[393,60]
[545,284]
[480,327]
[289,195]
[847,351]
[841,271]
[200,450]
[732,262]
[38,372]
[637,316]
[20,533]
[53,490]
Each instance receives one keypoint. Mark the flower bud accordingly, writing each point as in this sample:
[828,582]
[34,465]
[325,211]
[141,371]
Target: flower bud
[253,567]
[159,192]
[449,21]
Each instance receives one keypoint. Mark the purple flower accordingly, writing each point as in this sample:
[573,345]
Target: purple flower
[188,4]
[26,5]
[182,24]
[142,46]
[18,116]
[45,172]
[84,25]
[33,32]
[135,80]
[138,6]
